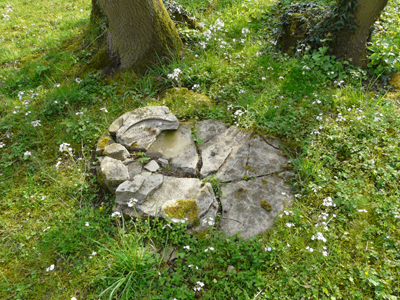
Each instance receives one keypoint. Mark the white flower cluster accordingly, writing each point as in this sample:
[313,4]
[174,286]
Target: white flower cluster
[245,31]
[175,74]
[198,286]
[116,214]
[193,266]
[36,123]
[132,202]
[51,268]
[64,148]
[209,248]
[8,9]
[328,202]
[208,221]
[319,236]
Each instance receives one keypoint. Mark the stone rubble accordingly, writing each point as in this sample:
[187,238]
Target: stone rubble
[169,186]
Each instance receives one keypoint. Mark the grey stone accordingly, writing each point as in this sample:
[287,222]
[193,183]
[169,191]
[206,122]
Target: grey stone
[134,167]
[163,162]
[233,141]
[208,129]
[152,166]
[100,158]
[241,205]
[174,189]
[264,159]
[213,157]
[138,129]
[235,154]
[178,148]
[112,173]
[116,151]
[146,173]
[138,189]
[128,189]
[252,168]
[103,141]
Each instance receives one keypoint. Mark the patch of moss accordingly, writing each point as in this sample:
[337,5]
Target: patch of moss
[395,80]
[103,141]
[266,205]
[184,103]
[184,209]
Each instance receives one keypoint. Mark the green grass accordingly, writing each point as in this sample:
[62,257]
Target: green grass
[340,129]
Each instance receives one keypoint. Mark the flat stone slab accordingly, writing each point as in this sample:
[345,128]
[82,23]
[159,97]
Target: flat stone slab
[232,154]
[138,129]
[250,207]
[178,148]
[175,189]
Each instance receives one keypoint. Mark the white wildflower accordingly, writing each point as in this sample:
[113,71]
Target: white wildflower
[36,123]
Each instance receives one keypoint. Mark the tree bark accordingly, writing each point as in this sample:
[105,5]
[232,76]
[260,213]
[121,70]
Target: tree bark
[139,32]
[353,45]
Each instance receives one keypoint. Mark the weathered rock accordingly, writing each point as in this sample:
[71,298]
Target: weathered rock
[232,154]
[112,173]
[163,162]
[173,190]
[127,190]
[208,129]
[116,151]
[233,165]
[152,166]
[103,141]
[178,148]
[264,159]
[134,167]
[252,168]
[245,205]
[181,210]
[138,189]
[213,157]
[138,129]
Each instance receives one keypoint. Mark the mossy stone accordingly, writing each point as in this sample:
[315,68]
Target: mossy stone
[182,209]
[266,205]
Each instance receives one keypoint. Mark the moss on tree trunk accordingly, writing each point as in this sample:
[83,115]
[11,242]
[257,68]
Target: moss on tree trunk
[139,32]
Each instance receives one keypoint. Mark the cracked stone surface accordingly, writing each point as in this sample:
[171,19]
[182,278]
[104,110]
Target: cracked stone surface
[252,168]
[172,188]
[241,205]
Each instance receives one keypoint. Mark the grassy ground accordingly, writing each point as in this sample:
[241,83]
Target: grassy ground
[340,239]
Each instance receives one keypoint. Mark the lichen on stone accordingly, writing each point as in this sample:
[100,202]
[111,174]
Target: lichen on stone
[184,209]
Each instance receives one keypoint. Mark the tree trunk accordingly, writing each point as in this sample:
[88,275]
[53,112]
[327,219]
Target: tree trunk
[139,31]
[353,45]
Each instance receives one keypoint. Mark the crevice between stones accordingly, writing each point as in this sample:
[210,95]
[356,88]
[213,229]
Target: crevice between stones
[199,162]
[277,148]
